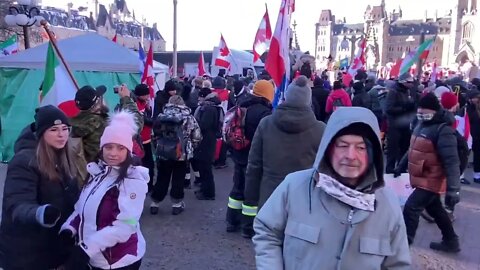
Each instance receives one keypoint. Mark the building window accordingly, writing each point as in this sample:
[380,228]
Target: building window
[468,32]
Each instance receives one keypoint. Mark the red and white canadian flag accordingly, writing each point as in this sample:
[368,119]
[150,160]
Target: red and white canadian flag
[201,65]
[263,37]
[148,76]
[223,57]
[359,60]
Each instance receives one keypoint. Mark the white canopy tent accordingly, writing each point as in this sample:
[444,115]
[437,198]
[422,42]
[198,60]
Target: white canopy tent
[89,52]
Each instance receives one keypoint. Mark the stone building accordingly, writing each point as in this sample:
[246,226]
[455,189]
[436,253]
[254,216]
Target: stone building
[115,19]
[390,36]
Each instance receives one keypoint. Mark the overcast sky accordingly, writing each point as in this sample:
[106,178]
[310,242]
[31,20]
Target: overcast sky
[200,22]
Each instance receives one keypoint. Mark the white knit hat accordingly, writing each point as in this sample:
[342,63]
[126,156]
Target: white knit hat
[120,130]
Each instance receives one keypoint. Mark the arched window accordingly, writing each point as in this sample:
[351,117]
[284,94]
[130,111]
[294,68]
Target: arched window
[468,32]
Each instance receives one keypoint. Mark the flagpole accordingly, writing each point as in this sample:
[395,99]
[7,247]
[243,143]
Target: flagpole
[175,64]
[53,40]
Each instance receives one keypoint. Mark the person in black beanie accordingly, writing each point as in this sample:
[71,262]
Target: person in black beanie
[39,195]
[434,168]
[162,97]
[239,94]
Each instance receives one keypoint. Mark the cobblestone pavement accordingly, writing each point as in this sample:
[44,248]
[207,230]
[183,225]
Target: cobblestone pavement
[196,239]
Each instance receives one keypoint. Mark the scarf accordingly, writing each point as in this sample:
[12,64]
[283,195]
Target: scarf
[345,194]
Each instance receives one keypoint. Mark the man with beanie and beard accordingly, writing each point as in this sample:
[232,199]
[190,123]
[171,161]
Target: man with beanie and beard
[257,107]
[142,94]
[434,168]
[334,214]
[284,142]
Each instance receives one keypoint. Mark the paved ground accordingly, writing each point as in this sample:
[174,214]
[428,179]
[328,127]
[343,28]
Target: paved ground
[197,239]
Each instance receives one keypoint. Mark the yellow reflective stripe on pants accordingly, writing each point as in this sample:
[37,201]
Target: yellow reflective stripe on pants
[234,204]
[250,211]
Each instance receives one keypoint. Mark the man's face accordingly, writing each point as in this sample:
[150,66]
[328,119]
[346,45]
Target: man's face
[349,156]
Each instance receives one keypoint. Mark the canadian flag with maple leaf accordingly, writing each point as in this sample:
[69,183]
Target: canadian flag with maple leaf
[359,60]
[263,37]
[148,76]
[224,54]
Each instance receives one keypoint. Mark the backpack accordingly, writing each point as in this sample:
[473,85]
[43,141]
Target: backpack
[337,102]
[462,148]
[234,128]
[170,140]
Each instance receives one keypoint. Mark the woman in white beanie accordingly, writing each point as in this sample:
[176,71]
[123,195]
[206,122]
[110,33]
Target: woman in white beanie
[107,214]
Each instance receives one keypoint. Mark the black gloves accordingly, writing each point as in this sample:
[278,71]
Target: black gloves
[67,238]
[452,198]
[78,260]
[47,215]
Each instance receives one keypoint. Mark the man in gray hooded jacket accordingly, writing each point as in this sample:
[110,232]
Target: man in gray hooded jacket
[336,215]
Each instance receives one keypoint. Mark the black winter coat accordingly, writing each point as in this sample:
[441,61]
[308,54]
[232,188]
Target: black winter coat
[24,243]
[286,141]
[399,104]
[474,117]
[319,98]
[207,116]
[236,99]
[362,99]
[257,108]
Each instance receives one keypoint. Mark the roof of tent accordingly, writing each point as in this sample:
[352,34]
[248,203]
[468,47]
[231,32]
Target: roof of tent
[89,52]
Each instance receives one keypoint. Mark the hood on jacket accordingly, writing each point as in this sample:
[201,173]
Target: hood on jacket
[172,109]
[212,99]
[340,119]
[293,119]
[26,139]
[339,93]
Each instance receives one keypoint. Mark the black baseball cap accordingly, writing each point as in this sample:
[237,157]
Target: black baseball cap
[87,96]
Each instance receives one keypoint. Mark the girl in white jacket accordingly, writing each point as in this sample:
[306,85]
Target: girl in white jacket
[107,214]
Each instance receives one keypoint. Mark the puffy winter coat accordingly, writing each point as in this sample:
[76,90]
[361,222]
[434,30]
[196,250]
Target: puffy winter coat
[24,243]
[319,96]
[207,116]
[257,109]
[302,227]
[337,94]
[433,162]
[284,142]
[107,214]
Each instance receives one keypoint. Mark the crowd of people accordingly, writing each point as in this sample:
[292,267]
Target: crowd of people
[308,180]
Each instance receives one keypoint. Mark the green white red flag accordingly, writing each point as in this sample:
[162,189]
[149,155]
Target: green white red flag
[58,89]
[420,53]
[9,46]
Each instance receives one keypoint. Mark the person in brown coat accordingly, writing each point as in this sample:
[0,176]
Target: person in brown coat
[434,168]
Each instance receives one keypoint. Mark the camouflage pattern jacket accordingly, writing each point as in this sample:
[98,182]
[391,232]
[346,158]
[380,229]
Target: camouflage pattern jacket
[128,104]
[191,129]
[89,126]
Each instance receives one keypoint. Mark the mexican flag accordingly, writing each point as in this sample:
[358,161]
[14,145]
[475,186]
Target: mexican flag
[9,46]
[421,53]
[58,88]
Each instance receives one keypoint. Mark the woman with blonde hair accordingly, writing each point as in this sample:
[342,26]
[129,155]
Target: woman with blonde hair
[39,195]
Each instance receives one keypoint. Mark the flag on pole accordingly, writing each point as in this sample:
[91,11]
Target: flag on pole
[9,46]
[224,54]
[394,72]
[263,37]
[413,57]
[343,63]
[58,89]
[114,39]
[148,77]
[142,57]
[201,65]
[359,61]
[278,58]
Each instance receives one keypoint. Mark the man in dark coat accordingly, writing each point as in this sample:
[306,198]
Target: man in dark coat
[473,111]
[257,107]
[434,168]
[239,94]
[162,97]
[284,142]
[208,118]
[360,96]
[319,99]
[400,111]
